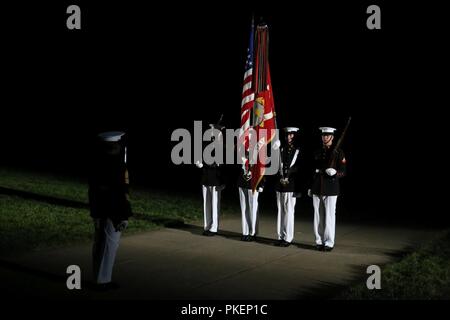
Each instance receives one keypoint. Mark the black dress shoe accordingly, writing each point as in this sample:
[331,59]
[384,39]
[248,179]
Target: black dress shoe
[279,243]
[327,249]
[284,243]
[319,247]
[244,238]
[209,233]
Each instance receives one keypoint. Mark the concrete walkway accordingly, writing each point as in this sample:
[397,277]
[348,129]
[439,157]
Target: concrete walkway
[183,264]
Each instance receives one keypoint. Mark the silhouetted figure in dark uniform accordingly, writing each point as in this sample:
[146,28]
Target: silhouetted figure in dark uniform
[109,202]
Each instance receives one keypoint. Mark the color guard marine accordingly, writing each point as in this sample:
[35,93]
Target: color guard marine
[330,166]
[286,189]
[212,185]
[109,202]
[249,204]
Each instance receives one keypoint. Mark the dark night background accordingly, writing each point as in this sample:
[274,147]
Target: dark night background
[149,69]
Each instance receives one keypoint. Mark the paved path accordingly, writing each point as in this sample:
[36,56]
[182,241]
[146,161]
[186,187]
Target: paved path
[183,264]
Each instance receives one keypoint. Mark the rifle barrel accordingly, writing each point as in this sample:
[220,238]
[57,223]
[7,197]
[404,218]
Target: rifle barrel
[338,144]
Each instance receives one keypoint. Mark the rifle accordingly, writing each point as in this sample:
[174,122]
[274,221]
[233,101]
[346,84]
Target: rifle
[280,160]
[220,120]
[338,145]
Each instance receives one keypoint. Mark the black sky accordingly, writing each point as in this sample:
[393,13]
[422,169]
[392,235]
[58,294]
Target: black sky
[149,69]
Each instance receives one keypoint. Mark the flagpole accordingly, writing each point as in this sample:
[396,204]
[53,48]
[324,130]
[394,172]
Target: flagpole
[251,125]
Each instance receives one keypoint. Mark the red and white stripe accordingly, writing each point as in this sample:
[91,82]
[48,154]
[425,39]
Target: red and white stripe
[248,97]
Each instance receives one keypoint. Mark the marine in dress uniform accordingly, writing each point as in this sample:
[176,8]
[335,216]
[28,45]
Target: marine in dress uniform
[109,202]
[285,188]
[249,205]
[330,166]
[212,186]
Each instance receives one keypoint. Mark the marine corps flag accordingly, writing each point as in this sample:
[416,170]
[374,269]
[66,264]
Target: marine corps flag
[264,108]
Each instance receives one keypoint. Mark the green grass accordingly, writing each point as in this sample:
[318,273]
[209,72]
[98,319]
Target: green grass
[44,184]
[27,224]
[423,275]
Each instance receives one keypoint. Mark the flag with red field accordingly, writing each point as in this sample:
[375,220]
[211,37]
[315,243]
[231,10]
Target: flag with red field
[264,106]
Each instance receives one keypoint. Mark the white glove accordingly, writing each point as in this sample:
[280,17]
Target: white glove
[310,193]
[260,189]
[276,145]
[122,226]
[331,171]
[199,164]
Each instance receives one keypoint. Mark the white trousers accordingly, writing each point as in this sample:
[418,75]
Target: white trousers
[249,211]
[285,221]
[211,207]
[104,251]
[324,219]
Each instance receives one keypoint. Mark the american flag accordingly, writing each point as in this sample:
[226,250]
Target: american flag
[248,97]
